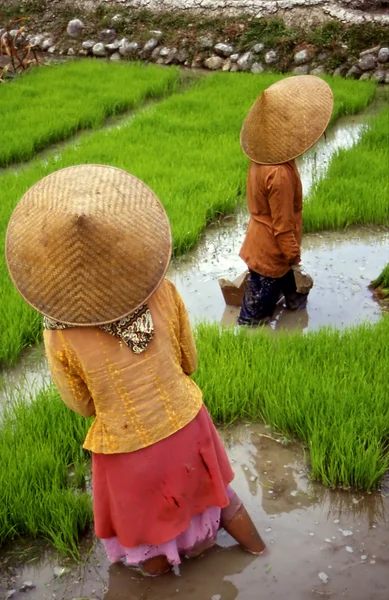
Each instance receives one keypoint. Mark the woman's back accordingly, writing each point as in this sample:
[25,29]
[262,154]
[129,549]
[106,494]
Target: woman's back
[138,399]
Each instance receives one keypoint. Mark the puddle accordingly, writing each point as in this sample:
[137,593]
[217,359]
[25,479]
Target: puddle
[342,265]
[28,376]
[309,531]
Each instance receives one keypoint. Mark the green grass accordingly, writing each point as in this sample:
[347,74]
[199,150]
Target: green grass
[355,189]
[186,149]
[327,388]
[382,282]
[50,104]
[43,472]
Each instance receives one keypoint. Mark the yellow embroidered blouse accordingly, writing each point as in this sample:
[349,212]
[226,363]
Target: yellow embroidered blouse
[137,399]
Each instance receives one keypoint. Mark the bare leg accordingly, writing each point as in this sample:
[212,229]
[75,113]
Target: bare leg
[154,567]
[243,530]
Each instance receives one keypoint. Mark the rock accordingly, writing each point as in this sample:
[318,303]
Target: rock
[13,33]
[365,76]
[233,291]
[150,45]
[46,44]
[116,19]
[83,52]
[340,71]
[36,41]
[323,56]
[115,56]
[224,50]
[171,57]
[234,68]
[197,62]
[354,73]
[75,28]
[156,53]
[370,51]
[157,34]
[99,49]
[323,577]
[107,36]
[387,78]
[114,47]
[245,61]
[214,63]
[182,56]
[52,50]
[258,48]
[10,594]
[320,70]
[164,52]
[71,52]
[271,57]
[349,549]
[301,70]
[205,42]
[127,48]
[379,76]
[234,57]
[227,65]
[383,55]
[88,45]
[27,586]
[367,62]
[303,57]
[257,68]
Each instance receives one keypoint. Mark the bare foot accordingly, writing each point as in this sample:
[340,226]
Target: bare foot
[243,530]
[155,567]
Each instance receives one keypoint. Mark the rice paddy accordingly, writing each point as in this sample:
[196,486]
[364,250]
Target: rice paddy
[327,388]
[186,149]
[355,189]
[43,472]
[50,104]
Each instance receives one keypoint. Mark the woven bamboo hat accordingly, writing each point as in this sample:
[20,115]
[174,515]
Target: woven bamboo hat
[87,245]
[287,119]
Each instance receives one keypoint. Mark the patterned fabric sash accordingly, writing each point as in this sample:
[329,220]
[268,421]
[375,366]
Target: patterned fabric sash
[136,330]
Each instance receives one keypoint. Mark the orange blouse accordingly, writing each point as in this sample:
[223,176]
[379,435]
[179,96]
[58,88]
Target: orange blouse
[137,399]
[273,237]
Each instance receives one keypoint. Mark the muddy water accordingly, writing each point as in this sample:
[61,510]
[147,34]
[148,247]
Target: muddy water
[341,263]
[309,531]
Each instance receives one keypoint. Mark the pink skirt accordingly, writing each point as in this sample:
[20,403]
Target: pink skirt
[166,498]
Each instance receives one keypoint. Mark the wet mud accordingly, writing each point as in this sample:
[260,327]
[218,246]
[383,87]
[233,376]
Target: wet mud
[320,543]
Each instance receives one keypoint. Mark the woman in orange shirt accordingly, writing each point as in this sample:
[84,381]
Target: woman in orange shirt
[89,247]
[285,121]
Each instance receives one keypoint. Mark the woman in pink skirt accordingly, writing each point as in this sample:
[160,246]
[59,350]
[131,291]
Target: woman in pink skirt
[89,247]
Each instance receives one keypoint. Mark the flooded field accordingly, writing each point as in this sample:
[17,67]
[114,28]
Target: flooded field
[321,544]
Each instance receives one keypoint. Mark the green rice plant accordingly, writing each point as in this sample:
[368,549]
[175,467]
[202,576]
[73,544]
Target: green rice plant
[328,388]
[50,104]
[186,149]
[382,282]
[43,470]
[355,189]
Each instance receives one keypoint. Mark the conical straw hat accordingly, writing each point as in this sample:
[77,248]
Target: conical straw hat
[287,119]
[88,245]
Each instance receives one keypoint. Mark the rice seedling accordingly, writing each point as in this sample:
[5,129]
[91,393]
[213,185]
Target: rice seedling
[327,388]
[43,472]
[186,149]
[382,282]
[50,104]
[355,189]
